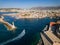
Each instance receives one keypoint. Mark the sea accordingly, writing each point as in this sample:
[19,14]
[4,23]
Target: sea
[27,32]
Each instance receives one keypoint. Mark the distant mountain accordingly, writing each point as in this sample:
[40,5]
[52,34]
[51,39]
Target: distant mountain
[46,8]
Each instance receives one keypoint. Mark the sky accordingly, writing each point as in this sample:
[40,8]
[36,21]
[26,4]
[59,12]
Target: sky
[28,3]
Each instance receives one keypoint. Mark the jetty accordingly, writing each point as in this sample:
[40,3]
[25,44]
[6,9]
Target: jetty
[49,38]
[7,24]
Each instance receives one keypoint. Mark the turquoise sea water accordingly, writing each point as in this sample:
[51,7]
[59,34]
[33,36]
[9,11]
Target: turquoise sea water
[32,27]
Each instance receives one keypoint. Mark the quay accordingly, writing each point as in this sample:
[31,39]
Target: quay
[49,38]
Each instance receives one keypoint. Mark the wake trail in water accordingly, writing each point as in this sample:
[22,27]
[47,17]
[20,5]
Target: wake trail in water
[16,38]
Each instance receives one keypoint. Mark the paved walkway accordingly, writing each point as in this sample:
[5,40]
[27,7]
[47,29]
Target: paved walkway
[55,39]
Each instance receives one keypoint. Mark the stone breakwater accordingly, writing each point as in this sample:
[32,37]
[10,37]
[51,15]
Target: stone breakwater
[9,26]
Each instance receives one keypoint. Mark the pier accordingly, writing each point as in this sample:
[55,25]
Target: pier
[8,25]
[49,38]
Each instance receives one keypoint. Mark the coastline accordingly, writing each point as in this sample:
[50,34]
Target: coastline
[32,13]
